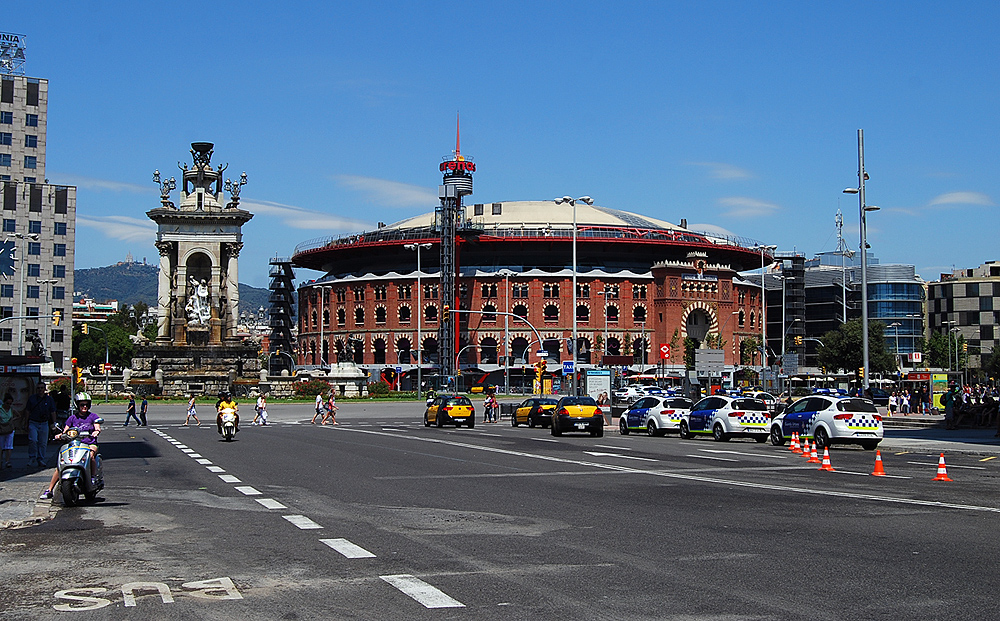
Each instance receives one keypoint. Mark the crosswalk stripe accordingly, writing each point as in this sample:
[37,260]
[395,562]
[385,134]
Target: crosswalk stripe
[205,462]
[215,469]
[423,593]
[247,490]
[270,503]
[347,548]
[302,522]
[228,478]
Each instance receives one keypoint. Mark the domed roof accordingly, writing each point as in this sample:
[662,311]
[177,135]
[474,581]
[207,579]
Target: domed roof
[534,214]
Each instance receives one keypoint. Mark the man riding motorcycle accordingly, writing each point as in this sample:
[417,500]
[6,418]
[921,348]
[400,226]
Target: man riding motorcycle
[226,402]
[85,421]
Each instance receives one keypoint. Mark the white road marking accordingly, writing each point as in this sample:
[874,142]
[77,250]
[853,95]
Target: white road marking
[270,503]
[492,435]
[919,463]
[302,522]
[422,592]
[710,457]
[392,429]
[693,477]
[868,474]
[228,478]
[617,448]
[619,456]
[544,439]
[181,446]
[747,454]
[347,548]
[246,490]
[188,451]
[195,455]
[205,462]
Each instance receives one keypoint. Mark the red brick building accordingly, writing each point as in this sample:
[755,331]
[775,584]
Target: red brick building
[641,282]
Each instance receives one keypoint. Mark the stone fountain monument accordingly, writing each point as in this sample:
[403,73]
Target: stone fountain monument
[197,349]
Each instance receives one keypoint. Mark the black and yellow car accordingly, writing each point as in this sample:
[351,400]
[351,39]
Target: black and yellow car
[578,414]
[534,411]
[450,410]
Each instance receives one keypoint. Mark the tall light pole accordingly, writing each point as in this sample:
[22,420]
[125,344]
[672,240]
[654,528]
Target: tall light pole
[863,209]
[895,331]
[576,344]
[763,311]
[420,312]
[322,309]
[604,309]
[506,330]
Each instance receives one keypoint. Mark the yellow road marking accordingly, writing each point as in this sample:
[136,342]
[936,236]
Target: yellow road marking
[988,458]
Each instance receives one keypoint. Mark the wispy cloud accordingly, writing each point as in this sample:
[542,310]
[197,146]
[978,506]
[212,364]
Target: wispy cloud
[712,229]
[299,218]
[124,228]
[103,185]
[389,193]
[961,198]
[745,207]
[902,210]
[723,171]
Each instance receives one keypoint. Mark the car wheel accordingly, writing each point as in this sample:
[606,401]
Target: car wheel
[555,430]
[472,423]
[719,434]
[531,421]
[777,439]
[821,438]
[439,421]
[427,421]
[513,420]
[685,433]
[598,433]
[870,445]
[761,439]
[622,427]
[651,429]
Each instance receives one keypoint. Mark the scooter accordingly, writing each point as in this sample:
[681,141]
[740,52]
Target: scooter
[228,424]
[74,469]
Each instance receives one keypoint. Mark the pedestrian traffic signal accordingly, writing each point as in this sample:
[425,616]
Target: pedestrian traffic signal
[56,317]
[861,373]
[965,347]
[798,340]
[85,329]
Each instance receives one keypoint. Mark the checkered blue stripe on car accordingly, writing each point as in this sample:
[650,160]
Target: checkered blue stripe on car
[755,420]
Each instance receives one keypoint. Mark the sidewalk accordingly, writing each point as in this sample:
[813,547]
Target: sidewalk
[20,488]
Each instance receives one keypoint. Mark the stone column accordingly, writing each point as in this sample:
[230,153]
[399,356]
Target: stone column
[233,284]
[164,292]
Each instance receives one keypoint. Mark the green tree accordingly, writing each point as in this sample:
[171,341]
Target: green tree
[89,349]
[748,346]
[690,345]
[991,364]
[842,349]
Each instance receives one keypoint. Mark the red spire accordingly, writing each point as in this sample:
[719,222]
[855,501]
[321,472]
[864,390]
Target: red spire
[458,138]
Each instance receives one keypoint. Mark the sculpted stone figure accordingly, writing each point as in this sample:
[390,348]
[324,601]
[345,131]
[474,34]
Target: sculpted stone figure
[198,308]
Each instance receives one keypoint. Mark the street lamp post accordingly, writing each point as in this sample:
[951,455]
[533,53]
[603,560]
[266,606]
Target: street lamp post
[763,311]
[322,309]
[576,344]
[420,312]
[863,209]
[506,330]
[604,309]
[895,331]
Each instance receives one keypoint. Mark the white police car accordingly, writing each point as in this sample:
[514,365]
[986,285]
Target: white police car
[724,417]
[654,415]
[830,419]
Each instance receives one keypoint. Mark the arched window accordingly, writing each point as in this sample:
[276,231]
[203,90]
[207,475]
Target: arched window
[583,313]
[519,349]
[614,346]
[341,316]
[611,314]
[431,313]
[639,314]
[404,314]
[751,319]
[359,316]
[315,320]
[551,313]
[520,310]
[380,314]
[378,351]
[489,313]
[403,351]
[488,350]
[326,317]
[430,349]
[742,317]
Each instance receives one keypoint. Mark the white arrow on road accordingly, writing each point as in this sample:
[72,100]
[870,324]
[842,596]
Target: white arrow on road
[617,455]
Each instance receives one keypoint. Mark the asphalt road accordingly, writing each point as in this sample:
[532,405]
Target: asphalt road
[382,518]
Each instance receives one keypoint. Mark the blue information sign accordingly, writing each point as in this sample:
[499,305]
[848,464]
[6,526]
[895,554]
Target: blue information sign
[568,366]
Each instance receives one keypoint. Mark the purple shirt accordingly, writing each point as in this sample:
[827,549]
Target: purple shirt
[84,424]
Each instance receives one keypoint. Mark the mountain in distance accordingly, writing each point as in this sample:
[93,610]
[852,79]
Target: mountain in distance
[131,282]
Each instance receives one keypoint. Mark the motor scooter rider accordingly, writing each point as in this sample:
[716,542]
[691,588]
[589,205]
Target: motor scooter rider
[86,421]
[226,402]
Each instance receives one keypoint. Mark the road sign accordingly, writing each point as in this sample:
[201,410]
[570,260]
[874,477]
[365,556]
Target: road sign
[542,353]
[664,351]
[107,367]
[709,361]
[567,367]
[399,369]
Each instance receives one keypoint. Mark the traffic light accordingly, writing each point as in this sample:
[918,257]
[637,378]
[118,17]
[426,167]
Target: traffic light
[965,348]
[861,372]
[798,340]
[56,317]
[445,312]
[540,367]
[85,329]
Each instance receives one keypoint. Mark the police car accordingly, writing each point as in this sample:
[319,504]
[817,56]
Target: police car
[830,419]
[654,415]
[724,417]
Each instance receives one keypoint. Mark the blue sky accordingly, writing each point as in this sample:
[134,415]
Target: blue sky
[738,115]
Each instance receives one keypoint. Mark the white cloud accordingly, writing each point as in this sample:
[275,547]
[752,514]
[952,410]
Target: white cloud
[299,218]
[100,185]
[120,227]
[389,193]
[744,207]
[962,198]
[723,171]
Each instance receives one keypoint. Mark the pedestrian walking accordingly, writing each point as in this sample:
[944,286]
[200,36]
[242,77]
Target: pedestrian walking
[319,407]
[130,412]
[949,400]
[6,430]
[192,413]
[142,410]
[41,420]
[261,410]
[331,409]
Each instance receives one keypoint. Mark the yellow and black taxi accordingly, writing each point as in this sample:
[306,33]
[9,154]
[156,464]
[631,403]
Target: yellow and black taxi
[534,411]
[578,414]
[450,410]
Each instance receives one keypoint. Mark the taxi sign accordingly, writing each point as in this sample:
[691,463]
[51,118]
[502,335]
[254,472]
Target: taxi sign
[568,366]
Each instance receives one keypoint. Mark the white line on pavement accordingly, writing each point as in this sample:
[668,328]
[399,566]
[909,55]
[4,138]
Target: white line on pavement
[868,474]
[246,490]
[619,456]
[215,469]
[741,453]
[710,457]
[302,522]
[347,548]
[181,446]
[187,450]
[204,462]
[195,455]
[422,592]
[228,478]
[544,439]
[617,448]
[920,463]
[270,503]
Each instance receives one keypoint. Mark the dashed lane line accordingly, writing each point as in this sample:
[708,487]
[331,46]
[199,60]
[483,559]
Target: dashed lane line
[270,503]
[215,469]
[988,458]
[712,458]
[195,456]
[421,592]
[206,462]
[742,453]
[302,522]
[247,490]
[920,463]
[617,448]
[348,549]
[544,440]
[596,454]
[228,478]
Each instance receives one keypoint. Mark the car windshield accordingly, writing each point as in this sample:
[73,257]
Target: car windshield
[749,404]
[857,405]
[678,403]
[547,402]
[458,401]
[578,401]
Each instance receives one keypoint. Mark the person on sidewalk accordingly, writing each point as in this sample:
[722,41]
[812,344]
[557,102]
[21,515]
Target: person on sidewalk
[192,413]
[130,412]
[41,419]
[6,430]
[319,407]
[331,409]
[143,407]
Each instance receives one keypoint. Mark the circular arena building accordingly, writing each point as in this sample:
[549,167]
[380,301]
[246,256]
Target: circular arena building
[642,283]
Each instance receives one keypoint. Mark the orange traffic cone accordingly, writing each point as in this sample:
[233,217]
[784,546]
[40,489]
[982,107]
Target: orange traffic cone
[795,448]
[826,461]
[805,448]
[813,459]
[942,473]
[879,471]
